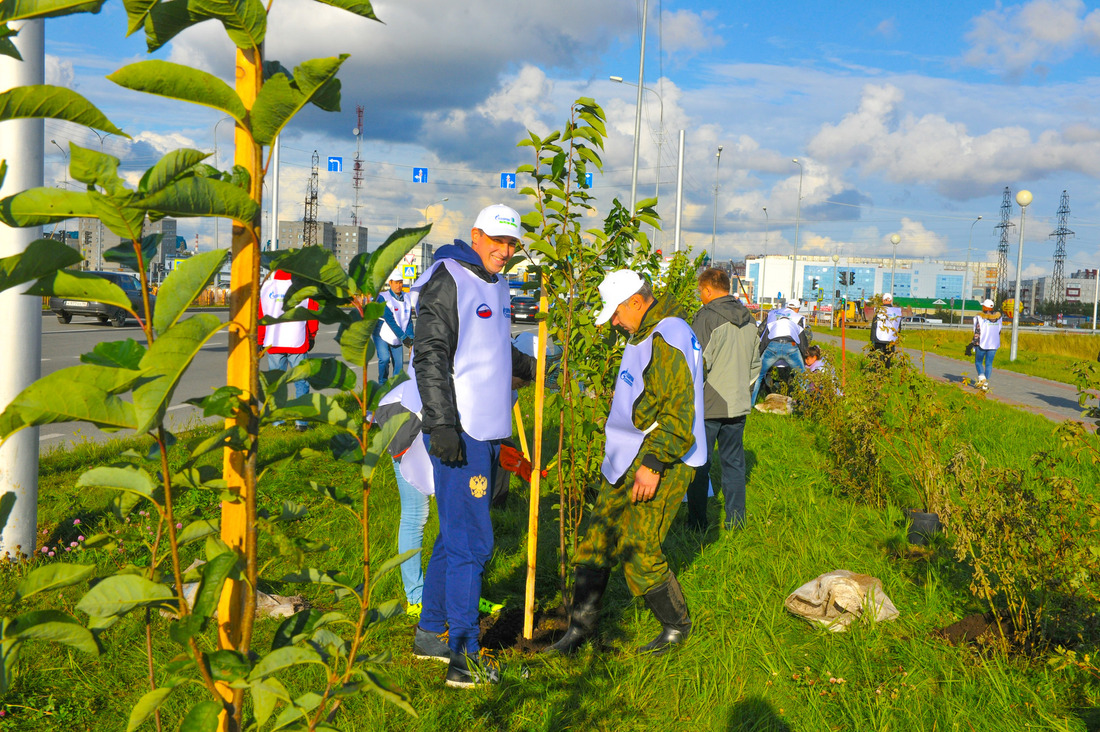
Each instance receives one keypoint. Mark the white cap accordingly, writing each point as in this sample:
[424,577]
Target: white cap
[397,274]
[615,289]
[793,304]
[987,303]
[499,220]
[887,297]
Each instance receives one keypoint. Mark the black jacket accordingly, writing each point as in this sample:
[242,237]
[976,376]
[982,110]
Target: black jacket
[437,338]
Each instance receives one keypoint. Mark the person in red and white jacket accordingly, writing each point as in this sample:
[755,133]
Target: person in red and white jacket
[286,343]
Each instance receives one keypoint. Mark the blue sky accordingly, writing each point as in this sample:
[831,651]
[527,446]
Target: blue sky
[907,119]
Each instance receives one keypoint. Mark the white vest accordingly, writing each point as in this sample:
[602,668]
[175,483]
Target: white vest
[623,438]
[414,464]
[784,327]
[887,324]
[989,334]
[482,367]
[402,313]
[280,335]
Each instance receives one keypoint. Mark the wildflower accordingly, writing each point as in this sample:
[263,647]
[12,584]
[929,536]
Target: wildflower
[50,554]
[45,549]
[68,549]
[179,526]
[80,538]
[76,522]
[72,543]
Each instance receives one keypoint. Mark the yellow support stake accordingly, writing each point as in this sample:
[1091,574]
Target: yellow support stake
[522,432]
[536,474]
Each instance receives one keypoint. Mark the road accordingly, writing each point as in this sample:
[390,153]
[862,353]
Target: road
[62,346]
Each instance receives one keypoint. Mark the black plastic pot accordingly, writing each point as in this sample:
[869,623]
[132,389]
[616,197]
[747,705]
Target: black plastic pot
[922,526]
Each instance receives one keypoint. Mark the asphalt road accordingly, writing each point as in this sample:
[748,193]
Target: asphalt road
[62,346]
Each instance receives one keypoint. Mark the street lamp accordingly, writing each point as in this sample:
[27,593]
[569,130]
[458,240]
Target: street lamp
[836,261]
[965,295]
[660,133]
[797,221]
[1023,198]
[99,228]
[431,205]
[217,245]
[764,264]
[714,225]
[895,240]
[66,154]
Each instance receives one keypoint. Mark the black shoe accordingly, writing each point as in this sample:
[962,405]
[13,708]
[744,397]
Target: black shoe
[302,427]
[468,672]
[668,605]
[588,587]
[431,646]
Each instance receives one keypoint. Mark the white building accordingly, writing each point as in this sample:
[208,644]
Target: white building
[1080,287]
[863,277]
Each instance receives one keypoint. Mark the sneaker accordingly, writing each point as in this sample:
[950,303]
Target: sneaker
[302,427]
[413,610]
[488,607]
[467,672]
[431,646]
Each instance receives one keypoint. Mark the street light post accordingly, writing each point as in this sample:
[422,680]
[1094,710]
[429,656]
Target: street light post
[638,112]
[797,222]
[1023,198]
[764,264]
[895,240]
[965,295]
[99,227]
[660,133]
[217,245]
[64,232]
[714,225]
[836,263]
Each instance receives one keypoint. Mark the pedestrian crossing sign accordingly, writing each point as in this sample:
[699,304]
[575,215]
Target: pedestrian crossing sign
[408,271]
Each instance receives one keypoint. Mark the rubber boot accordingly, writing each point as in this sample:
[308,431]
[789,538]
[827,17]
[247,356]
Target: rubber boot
[589,585]
[667,603]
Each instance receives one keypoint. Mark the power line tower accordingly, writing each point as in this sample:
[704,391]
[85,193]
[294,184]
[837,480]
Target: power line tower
[357,170]
[1058,282]
[1002,246]
[309,220]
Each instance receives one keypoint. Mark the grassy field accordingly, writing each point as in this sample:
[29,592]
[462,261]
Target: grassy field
[748,666]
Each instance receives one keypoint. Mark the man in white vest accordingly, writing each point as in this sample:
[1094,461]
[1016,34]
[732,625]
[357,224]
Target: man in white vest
[655,440]
[394,330]
[462,366]
[885,329]
[987,339]
[286,343]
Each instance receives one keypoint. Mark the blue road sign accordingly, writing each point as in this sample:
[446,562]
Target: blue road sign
[507,180]
[420,175]
[587,180]
[335,164]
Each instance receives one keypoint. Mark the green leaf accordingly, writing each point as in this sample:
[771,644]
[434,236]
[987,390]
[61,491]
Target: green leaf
[224,402]
[197,530]
[118,213]
[73,285]
[357,342]
[245,21]
[329,373]
[95,168]
[386,688]
[165,20]
[265,694]
[147,704]
[196,196]
[380,442]
[298,711]
[228,666]
[361,8]
[42,101]
[298,626]
[121,593]
[370,276]
[125,255]
[187,84]
[391,564]
[53,626]
[84,393]
[315,264]
[282,658]
[181,288]
[173,166]
[53,577]
[125,354]
[40,258]
[131,479]
[41,206]
[7,48]
[214,574]
[203,717]
[317,577]
[281,98]
[136,12]
[164,364]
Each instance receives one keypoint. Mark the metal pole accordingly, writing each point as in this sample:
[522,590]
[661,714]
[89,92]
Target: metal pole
[638,112]
[797,221]
[1023,198]
[714,225]
[969,243]
[1095,295]
[836,263]
[679,190]
[22,145]
[99,232]
[895,240]
[275,191]
[217,244]
[764,263]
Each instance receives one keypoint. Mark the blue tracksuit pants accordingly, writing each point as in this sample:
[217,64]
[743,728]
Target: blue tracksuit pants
[452,584]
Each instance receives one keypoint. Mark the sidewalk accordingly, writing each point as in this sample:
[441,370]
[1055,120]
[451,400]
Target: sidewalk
[1057,402]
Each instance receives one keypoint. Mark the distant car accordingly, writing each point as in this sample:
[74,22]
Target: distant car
[914,319]
[65,308]
[1027,320]
[524,308]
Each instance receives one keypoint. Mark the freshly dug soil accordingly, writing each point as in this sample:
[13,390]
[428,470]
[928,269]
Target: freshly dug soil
[969,629]
[504,631]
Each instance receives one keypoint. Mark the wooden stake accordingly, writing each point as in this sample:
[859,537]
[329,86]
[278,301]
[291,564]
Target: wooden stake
[536,472]
[521,430]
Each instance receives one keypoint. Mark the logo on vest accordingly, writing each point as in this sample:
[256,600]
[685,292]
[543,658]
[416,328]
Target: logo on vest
[479,484]
[625,376]
[694,344]
[484,311]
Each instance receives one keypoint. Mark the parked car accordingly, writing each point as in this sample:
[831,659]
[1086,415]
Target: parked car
[1026,320]
[914,319]
[524,307]
[65,309]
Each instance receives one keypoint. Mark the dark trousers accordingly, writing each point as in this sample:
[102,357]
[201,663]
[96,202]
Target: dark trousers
[452,584]
[731,456]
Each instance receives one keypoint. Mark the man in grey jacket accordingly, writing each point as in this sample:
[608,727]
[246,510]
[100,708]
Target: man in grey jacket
[731,360]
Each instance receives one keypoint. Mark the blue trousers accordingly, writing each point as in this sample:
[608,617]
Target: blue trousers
[452,585]
[287,362]
[410,535]
[777,350]
[388,354]
[729,434]
[983,361]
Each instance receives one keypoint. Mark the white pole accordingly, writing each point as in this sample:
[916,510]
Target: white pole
[275,192]
[679,190]
[1095,295]
[797,221]
[1023,198]
[638,113]
[21,144]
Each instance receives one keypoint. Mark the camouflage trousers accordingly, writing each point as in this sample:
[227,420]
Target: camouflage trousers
[621,530]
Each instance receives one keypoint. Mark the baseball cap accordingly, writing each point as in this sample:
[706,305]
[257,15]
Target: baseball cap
[987,303]
[793,304]
[499,220]
[615,289]
[397,274]
[887,297]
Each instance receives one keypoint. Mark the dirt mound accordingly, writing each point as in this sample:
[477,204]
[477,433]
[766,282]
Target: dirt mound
[504,631]
[976,627]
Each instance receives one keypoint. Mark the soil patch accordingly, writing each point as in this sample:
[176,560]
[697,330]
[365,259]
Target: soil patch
[976,627]
[504,631]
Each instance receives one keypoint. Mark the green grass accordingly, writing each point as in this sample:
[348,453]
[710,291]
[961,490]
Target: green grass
[748,666]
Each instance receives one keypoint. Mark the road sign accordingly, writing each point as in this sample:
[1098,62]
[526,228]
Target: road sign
[420,175]
[507,180]
[587,180]
[410,258]
[409,271]
[335,164]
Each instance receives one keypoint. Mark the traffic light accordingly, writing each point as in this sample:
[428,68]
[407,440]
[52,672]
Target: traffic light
[815,281]
[844,278]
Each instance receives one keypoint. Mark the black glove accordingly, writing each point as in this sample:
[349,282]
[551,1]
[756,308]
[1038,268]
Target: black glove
[969,350]
[312,341]
[446,444]
[407,343]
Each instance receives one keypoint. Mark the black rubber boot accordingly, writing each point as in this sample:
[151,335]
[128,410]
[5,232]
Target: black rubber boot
[589,585]
[668,605]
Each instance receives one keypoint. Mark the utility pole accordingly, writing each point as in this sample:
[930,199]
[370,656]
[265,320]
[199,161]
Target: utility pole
[1002,247]
[309,220]
[1058,283]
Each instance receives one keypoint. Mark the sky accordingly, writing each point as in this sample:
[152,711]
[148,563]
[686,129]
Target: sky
[906,118]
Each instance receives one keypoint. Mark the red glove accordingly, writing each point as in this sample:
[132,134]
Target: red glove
[513,461]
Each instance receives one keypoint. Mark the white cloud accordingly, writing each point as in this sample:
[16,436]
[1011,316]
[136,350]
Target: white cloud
[1025,37]
[59,72]
[689,32]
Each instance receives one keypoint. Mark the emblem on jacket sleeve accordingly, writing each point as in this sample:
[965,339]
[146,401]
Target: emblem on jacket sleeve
[479,485]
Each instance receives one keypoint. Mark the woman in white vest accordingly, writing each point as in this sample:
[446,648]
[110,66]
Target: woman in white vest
[885,329]
[987,339]
[655,440]
[395,329]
